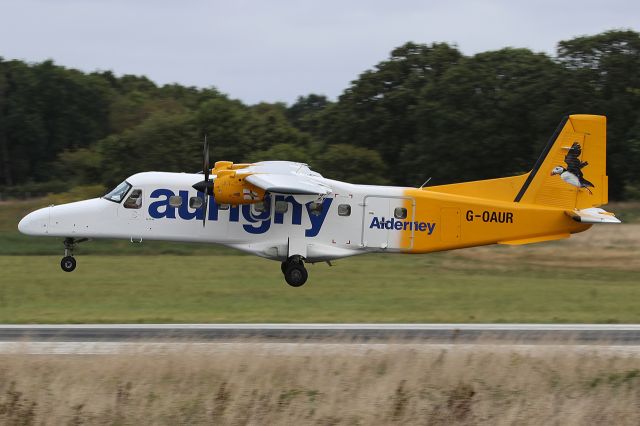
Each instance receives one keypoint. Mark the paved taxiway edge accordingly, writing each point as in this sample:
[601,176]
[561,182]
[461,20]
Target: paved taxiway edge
[625,334]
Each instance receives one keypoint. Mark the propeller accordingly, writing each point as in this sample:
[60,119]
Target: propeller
[205,186]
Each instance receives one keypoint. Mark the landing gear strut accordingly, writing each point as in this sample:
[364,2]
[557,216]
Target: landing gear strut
[68,262]
[294,271]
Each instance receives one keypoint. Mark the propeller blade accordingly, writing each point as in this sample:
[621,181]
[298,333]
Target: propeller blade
[205,186]
[205,208]
[205,167]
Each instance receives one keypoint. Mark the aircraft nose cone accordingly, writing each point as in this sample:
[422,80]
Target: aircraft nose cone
[35,223]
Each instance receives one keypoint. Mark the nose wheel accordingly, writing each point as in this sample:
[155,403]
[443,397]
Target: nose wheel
[294,271]
[68,262]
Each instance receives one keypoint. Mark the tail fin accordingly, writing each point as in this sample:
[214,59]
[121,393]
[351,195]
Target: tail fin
[571,172]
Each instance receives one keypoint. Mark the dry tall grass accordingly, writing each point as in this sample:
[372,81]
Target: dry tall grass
[403,386]
[613,247]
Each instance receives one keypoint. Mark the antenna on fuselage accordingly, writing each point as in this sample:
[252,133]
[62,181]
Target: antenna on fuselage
[425,182]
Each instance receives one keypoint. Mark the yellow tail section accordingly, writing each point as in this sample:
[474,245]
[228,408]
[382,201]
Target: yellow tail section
[570,173]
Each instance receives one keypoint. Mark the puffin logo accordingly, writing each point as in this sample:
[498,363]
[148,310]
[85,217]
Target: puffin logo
[572,174]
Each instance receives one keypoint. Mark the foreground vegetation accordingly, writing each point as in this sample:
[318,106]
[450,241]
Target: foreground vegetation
[591,277]
[486,385]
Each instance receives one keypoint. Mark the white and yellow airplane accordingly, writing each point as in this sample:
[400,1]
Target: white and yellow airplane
[284,211]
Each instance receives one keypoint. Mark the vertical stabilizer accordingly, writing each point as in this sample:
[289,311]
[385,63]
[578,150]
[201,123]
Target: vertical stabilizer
[571,172]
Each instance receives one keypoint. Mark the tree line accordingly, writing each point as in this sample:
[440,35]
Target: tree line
[426,111]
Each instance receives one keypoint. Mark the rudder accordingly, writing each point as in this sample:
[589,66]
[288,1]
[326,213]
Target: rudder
[573,160]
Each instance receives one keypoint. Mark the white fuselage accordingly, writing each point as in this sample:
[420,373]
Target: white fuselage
[317,234]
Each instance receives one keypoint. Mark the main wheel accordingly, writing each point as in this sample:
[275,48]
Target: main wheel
[283,266]
[68,263]
[296,275]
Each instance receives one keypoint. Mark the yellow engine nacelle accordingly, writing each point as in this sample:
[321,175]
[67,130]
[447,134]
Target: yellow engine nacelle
[230,188]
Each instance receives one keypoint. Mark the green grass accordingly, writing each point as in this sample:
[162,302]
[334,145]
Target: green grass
[366,289]
[592,277]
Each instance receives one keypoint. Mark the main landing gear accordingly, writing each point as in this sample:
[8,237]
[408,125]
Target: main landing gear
[68,262]
[294,271]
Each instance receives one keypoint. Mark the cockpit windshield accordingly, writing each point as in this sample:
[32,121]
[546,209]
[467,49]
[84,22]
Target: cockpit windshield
[117,195]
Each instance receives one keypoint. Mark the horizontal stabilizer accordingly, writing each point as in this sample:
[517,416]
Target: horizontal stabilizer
[540,239]
[593,215]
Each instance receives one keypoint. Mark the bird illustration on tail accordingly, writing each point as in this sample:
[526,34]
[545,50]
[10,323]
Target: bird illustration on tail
[572,174]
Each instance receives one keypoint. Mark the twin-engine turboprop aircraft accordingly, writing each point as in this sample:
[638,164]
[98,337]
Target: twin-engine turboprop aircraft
[284,211]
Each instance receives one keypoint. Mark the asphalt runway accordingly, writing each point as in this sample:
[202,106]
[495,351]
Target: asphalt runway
[601,334]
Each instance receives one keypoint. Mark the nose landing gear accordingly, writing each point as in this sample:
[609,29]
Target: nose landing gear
[294,271]
[68,262]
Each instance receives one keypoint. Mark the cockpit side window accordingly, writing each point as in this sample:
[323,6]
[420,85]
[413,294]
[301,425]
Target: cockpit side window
[118,194]
[135,200]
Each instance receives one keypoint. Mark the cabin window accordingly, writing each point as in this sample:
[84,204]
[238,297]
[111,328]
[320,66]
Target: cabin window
[400,213]
[223,206]
[195,202]
[315,208]
[135,200]
[282,206]
[260,207]
[344,210]
[118,193]
[175,201]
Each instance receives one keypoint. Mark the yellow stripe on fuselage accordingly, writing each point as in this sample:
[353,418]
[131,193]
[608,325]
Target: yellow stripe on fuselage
[457,221]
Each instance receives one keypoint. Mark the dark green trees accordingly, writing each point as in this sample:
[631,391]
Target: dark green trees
[378,111]
[487,116]
[605,69]
[426,111]
[45,109]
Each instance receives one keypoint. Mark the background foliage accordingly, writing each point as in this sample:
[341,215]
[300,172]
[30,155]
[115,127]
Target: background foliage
[428,110]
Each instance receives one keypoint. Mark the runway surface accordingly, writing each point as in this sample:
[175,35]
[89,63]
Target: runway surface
[424,333]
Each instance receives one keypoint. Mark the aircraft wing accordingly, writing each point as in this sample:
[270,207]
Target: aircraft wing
[287,184]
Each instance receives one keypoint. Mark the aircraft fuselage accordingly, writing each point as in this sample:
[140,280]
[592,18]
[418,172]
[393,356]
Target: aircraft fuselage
[352,219]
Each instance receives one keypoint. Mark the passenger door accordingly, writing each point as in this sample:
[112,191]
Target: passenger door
[383,223]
